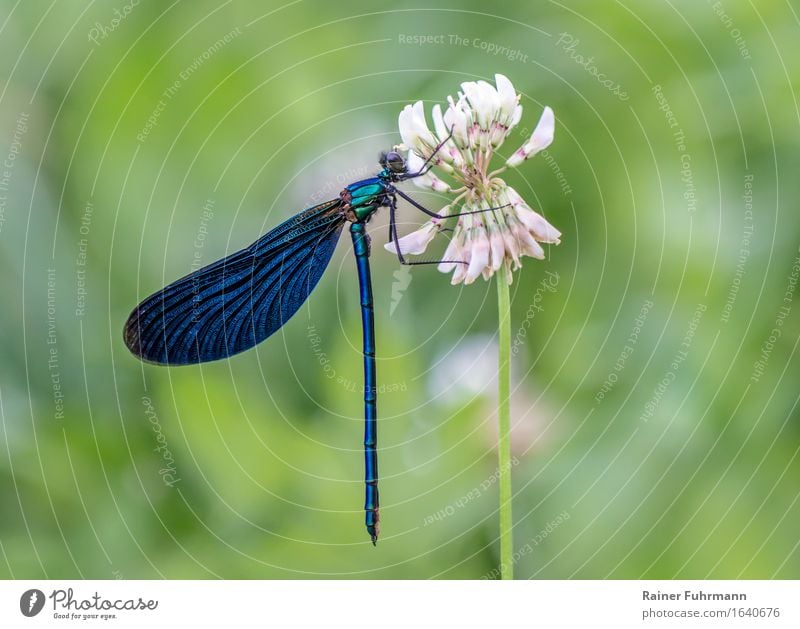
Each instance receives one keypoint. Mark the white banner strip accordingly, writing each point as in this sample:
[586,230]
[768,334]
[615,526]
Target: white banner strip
[402,604]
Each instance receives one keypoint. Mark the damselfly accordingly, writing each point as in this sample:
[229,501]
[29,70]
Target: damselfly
[237,302]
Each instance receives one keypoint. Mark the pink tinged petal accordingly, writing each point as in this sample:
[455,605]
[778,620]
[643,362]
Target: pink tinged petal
[528,245]
[541,138]
[517,158]
[461,269]
[414,243]
[473,133]
[498,249]
[440,186]
[465,256]
[514,197]
[434,183]
[453,253]
[444,212]
[441,163]
[456,158]
[429,181]
[532,248]
[537,225]
[545,129]
[480,256]
[499,133]
[512,247]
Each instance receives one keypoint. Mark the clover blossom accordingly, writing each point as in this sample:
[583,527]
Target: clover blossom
[472,128]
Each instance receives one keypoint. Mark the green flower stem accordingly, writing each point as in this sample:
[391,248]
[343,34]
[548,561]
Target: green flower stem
[504,424]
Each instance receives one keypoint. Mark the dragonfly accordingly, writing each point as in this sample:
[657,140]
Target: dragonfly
[237,302]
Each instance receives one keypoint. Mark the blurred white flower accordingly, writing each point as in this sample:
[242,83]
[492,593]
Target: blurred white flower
[468,371]
[481,118]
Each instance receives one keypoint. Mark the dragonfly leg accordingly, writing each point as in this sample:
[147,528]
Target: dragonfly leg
[393,238]
[422,208]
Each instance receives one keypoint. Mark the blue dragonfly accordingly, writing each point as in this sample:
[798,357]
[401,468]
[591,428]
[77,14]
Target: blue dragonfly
[237,302]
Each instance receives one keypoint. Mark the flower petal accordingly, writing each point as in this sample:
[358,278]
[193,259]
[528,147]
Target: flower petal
[405,126]
[414,161]
[512,247]
[451,256]
[480,101]
[428,180]
[414,129]
[479,260]
[416,242]
[537,225]
[498,249]
[456,117]
[528,246]
[516,117]
[545,130]
[540,139]
[507,95]
[460,271]
[438,122]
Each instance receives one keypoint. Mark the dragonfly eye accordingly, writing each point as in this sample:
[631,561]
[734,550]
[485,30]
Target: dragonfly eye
[395,162]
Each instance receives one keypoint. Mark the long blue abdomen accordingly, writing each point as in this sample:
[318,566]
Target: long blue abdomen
[361,248]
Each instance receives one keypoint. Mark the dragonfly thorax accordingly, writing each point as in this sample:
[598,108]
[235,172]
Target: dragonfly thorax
[362,198]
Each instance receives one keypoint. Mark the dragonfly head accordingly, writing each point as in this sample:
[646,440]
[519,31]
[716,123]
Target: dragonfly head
[394,165]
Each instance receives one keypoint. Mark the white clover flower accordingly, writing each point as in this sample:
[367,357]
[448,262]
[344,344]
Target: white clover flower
[480,118]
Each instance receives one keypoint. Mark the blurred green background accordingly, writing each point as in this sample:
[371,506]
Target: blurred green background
[142,139]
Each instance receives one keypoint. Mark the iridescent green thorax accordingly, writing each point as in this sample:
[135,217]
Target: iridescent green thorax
[364,197]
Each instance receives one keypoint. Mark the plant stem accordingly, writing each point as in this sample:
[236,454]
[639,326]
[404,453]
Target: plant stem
[504,423]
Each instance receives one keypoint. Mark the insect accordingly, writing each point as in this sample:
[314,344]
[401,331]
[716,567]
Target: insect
[233,304]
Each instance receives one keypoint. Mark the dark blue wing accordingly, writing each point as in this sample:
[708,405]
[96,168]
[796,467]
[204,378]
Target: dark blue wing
[230,305]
